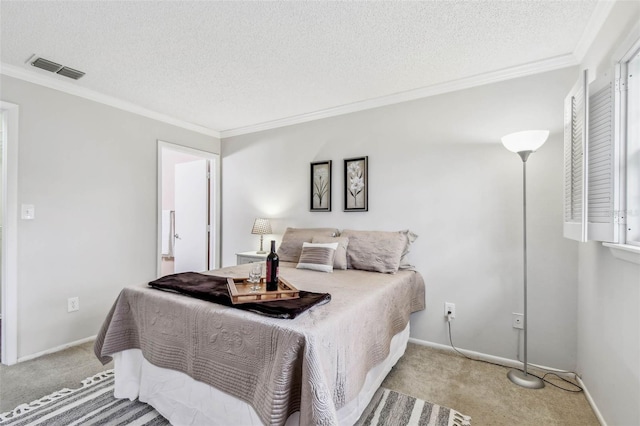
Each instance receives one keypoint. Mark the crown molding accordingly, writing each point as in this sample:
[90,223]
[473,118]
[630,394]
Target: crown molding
[72,89]
[537,67]
[593,27]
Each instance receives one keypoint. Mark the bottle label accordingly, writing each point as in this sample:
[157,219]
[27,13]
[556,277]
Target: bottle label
[273,270]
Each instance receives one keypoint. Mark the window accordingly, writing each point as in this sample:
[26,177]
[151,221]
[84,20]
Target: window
[575,116]
[591,156]
[631,78]
[602,155]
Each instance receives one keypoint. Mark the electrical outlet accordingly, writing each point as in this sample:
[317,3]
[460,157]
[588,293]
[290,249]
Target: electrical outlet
[518,321]
[450,307]
[73,304]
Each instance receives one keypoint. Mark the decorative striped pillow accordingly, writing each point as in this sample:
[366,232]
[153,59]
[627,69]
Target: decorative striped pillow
[318,257]
[340,261]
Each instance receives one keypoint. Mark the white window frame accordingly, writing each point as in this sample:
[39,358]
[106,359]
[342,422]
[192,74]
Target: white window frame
[629,176]
[630,125]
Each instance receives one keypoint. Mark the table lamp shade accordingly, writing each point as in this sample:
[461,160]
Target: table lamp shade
[261,227]
[528,140]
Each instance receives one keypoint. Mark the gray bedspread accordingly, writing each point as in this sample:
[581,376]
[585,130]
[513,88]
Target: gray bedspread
[314,363]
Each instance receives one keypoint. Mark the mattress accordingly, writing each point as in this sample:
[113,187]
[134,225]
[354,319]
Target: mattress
[187,402]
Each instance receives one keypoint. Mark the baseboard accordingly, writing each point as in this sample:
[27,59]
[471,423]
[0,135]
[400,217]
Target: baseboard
[515,364]
[491,358]
[56,349]
[592,403]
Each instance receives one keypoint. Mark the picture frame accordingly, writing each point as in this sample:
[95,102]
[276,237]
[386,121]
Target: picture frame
[356,184]
[320,186]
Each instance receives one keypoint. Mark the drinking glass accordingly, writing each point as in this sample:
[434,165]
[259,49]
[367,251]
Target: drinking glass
[255,273]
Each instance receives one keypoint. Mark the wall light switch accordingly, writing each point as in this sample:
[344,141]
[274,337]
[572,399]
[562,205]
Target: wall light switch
[28,212]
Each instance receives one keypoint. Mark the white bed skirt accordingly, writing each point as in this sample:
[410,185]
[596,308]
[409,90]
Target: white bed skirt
[187,402]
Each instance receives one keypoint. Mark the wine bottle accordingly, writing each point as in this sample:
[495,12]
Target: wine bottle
[272,268]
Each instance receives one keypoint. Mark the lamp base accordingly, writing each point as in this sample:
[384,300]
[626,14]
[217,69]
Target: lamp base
[525,380]
[261,252]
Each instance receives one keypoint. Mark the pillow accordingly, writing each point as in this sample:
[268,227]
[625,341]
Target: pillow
[377,251]
[411,237]
[340,260]
[318,257]
[291,245]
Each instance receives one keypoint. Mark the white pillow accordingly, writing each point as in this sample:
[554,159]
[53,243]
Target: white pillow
[317,256]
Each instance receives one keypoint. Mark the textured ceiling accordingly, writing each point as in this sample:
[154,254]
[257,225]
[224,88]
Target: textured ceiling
[227,65]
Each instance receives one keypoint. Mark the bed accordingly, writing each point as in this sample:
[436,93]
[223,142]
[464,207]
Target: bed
[198,362]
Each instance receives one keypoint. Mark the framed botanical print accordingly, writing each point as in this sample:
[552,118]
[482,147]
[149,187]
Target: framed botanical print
[356,181]
[320,187]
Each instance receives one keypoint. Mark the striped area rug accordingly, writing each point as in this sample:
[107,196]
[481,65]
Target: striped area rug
[94,404]
[388,407]
[91,404]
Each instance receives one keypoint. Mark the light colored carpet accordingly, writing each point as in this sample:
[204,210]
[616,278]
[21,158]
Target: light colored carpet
[478,390]
[483,391]
[31,380]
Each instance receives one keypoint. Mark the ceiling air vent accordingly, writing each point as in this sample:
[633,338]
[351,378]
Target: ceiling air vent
[71,73]
[46,65]
[56,68]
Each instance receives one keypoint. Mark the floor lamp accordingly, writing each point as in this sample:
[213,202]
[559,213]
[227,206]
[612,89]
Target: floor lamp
[524,143]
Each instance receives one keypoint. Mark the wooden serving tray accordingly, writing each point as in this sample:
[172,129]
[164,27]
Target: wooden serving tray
[240,291]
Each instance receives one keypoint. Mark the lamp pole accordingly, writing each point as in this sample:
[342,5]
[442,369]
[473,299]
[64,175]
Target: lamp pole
[522,378]
[524,143]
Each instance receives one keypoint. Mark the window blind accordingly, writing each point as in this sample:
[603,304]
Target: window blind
[591,160]
[575,183]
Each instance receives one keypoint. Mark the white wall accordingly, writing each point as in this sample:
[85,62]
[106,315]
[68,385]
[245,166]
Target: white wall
[609,288]
[1,172]
[609,333]
[91,172]
[436,166]
[1,194]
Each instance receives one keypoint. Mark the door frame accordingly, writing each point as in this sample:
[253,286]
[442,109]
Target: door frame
[214,201]
[9,256]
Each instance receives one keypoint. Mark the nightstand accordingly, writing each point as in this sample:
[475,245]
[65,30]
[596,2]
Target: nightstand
[250,257]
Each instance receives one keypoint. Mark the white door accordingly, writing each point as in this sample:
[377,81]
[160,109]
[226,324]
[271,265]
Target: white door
[191,217]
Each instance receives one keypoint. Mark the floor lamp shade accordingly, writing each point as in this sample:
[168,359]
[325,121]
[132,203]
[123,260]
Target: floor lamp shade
[261,227]
[524,143]
[527,140]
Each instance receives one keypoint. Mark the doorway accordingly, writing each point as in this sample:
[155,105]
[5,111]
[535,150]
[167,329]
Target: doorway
[188,209]
[9,232]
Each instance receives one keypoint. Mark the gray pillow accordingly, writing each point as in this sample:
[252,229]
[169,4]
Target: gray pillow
[340,259]
[291,245]
[411,237]
[377,251]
